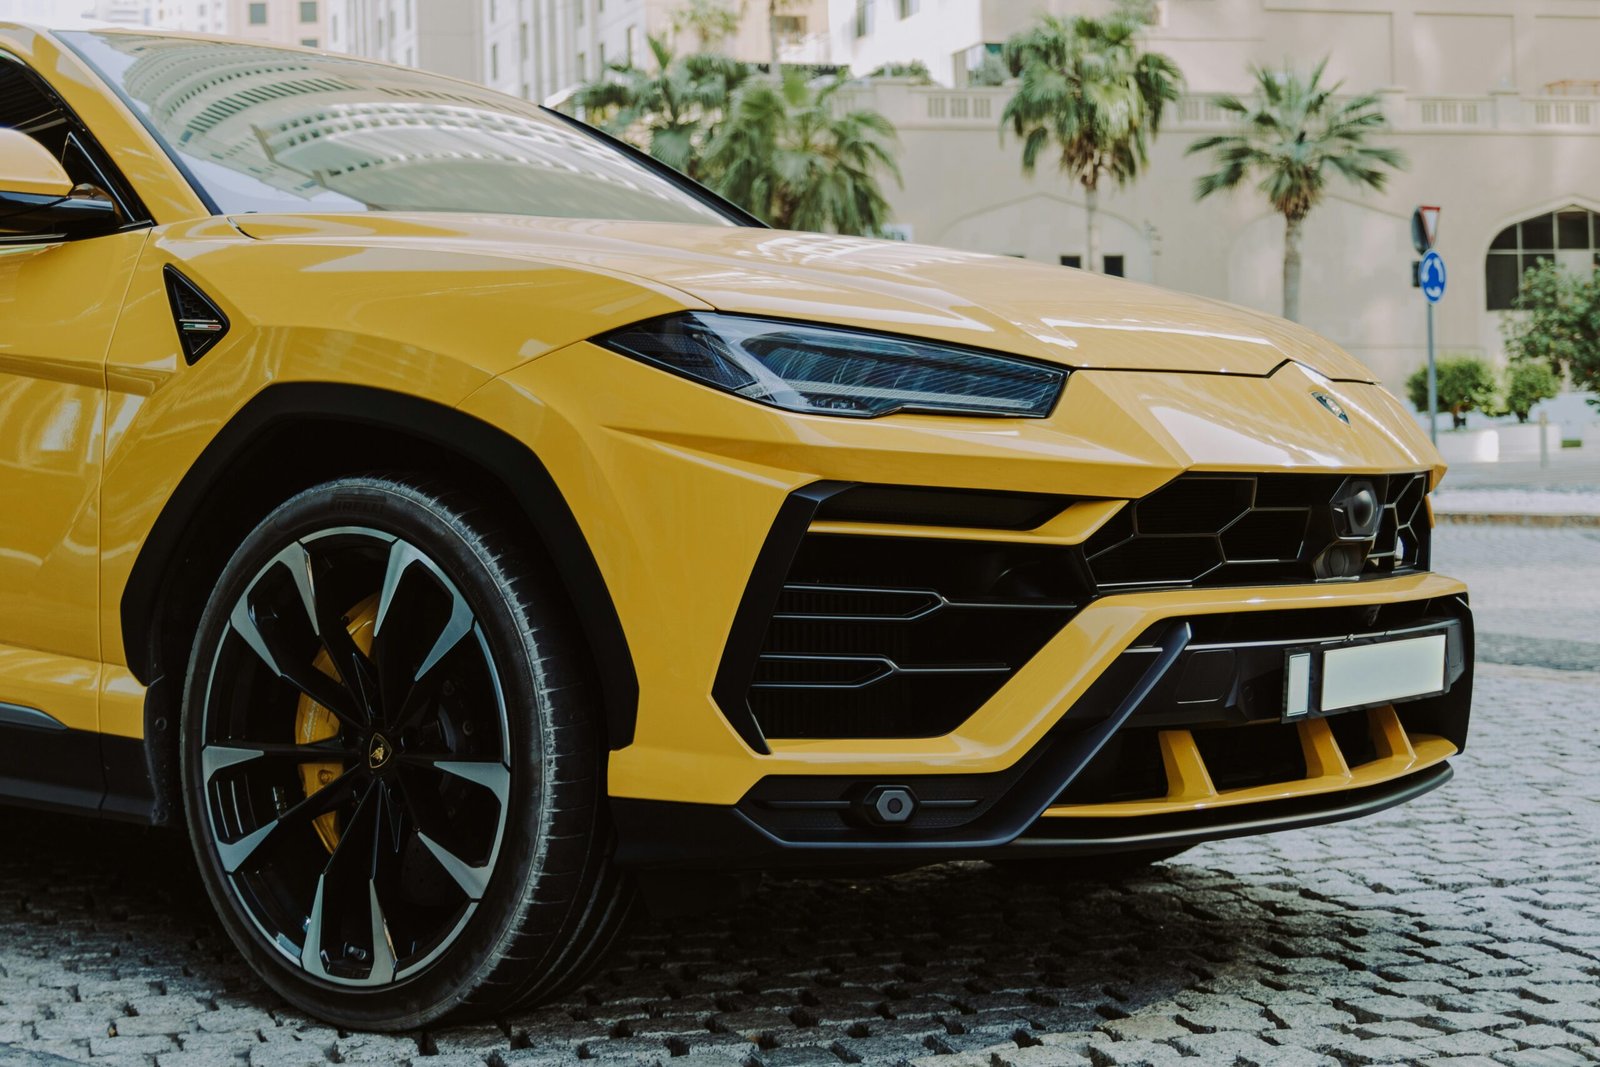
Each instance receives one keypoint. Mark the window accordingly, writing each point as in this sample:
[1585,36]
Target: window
[522,43]
[1114,266]
[863,17]
[258,14]
[790,26]
[628,53]
[909,8]
[382,139]
[493,14]
[1570,237]
[407,10]
[308,10]
[1072,261]
[333,26]
[309,42]
[494,62]
[601,50]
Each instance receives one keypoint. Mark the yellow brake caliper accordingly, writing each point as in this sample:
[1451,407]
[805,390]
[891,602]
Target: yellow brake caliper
[313,722]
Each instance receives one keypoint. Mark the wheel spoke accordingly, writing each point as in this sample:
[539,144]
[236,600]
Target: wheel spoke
[352,665]
[346,705]
[235,854]
[491,774]
[472,880]
[345,880]
[214,758]
[401,674]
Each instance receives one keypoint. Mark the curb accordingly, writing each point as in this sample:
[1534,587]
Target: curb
[1513,518]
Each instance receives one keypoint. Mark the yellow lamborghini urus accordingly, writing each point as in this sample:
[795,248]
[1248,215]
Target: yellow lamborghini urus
[459,522]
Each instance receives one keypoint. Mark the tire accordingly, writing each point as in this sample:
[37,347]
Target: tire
[393,764]
[1106,867]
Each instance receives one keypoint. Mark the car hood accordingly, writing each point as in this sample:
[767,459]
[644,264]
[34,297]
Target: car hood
[1070,317]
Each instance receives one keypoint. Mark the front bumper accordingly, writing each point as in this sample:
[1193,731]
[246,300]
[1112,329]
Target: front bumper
[1136,761]
[678,490]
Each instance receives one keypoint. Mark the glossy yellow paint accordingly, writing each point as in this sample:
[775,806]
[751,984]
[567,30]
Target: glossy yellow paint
[26,166]
[64,687]
[1189,785]
[675,486]
[1073,526]
[58,307]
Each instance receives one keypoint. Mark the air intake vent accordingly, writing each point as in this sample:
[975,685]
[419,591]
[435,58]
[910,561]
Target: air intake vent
[201,324]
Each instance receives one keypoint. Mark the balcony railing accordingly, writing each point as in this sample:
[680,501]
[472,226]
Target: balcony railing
[911,106]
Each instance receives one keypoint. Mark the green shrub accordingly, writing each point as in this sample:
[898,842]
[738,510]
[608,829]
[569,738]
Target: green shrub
[1557,324]
[1466,383]
[1526,385]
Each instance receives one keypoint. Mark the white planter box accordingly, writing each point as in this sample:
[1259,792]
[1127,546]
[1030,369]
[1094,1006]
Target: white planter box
[1522,440]
[1470,446]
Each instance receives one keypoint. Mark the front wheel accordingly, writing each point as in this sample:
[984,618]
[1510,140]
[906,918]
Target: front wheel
[392,763]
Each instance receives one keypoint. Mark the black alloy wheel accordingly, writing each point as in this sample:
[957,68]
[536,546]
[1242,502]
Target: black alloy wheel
[392,762]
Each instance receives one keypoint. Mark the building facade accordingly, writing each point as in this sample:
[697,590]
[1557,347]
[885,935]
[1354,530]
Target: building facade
[295,22]
[1496,104]
[542,49]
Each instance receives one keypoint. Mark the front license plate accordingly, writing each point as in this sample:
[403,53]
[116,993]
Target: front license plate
[1325,680]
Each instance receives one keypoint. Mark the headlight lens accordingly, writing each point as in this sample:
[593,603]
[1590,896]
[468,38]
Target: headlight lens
[832,371]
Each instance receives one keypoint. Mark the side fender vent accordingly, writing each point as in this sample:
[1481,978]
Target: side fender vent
[201,324]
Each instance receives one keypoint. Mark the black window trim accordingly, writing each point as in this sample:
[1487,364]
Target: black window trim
[183,168]
[113,180]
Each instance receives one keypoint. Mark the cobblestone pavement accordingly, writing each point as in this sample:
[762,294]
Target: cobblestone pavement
[1460,929]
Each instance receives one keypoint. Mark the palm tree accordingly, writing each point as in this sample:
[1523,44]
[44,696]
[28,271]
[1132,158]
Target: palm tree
[1291,134]
[670,110]
[1091,94]
[788,154]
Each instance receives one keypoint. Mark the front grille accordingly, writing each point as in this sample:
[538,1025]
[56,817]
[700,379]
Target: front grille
[864,635]
[1232,529]
[901,637]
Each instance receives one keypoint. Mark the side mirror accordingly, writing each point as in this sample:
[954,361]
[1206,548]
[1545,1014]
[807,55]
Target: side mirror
[37,198]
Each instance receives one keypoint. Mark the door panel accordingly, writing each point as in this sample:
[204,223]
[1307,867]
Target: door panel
[58,307]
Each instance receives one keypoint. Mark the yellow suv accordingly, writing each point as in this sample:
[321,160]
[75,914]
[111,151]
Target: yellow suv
[459,521]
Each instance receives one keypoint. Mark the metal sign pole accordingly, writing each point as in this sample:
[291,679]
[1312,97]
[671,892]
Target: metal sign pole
[1433,385]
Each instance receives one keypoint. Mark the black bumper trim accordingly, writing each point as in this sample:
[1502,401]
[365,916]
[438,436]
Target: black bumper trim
[661,835]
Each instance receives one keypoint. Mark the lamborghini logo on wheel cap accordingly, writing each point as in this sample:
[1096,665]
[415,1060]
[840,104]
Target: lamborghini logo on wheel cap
[378,752]
[1332,405]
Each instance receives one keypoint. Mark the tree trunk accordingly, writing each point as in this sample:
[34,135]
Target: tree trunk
[1091,215]
[772,33]
[1291,268]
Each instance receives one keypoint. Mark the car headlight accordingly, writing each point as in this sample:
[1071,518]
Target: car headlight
[834,371]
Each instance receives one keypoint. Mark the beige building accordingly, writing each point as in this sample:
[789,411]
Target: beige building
[296,22]
[541,49]
[1496,103]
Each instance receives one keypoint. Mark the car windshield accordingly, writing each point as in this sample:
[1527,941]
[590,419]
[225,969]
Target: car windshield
[263,129]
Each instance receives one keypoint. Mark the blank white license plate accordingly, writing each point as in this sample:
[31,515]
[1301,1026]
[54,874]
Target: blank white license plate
[1361,675]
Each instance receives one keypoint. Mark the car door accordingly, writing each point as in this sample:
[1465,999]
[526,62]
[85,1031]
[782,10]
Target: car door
[59,302]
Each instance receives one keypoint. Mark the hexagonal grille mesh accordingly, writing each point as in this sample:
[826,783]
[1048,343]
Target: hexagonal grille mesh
[1230,529]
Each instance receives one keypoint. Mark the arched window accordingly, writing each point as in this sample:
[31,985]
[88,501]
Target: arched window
[1570,236]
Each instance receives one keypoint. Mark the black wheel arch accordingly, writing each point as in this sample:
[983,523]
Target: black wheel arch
[225,486]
